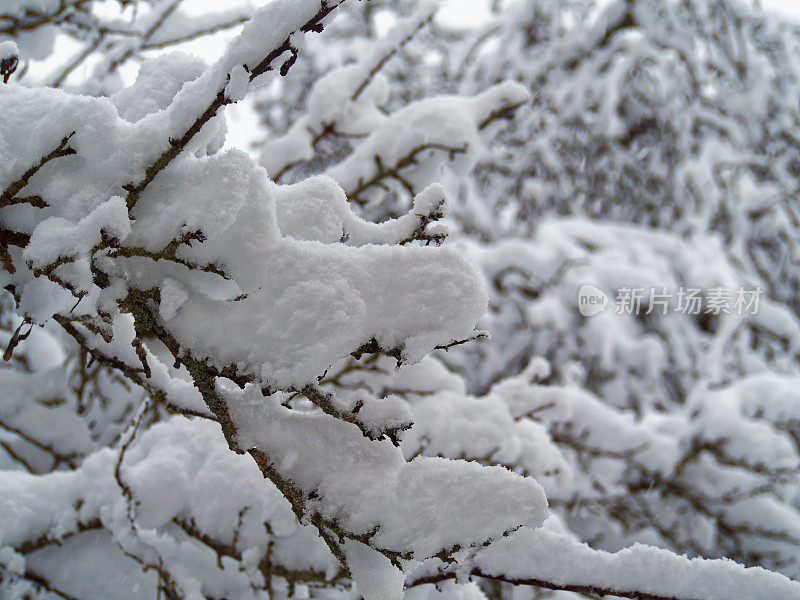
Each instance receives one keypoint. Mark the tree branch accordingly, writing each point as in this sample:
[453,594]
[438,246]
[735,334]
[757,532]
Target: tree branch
[177,145]
[549,585]
[394,171]
[8,196]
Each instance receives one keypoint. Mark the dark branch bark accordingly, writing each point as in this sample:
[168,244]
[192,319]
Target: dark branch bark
[63,149]
[385,172]
[387,57]
[549,585]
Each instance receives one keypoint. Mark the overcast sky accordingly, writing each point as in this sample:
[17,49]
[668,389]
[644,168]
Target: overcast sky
[788,7]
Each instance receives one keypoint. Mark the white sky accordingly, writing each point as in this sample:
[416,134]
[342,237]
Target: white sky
[465,12]
[788,7]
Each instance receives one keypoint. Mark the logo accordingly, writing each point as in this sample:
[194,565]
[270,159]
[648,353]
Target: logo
[591,300]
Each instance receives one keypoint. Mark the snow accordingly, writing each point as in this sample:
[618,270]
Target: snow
[348,97]
[374,575]
[32,5]
[56,237]
[268,28]
[719,420]
[452,424]
[8,49]
[334,306]
[156,84]
[237,86]
[378,415]
[447,590]
[541,554]
[178,469]
[444,121]
[285,283]
[348,100]
[316,303]
[42,298]
[23,407]
[317,209]
[173,295]
[12,561]
[420,507]
[96,565]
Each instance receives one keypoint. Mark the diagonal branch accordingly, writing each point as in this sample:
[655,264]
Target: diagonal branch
[8,196]
[41,583]
[193,35]
[395,171]
[135,375]
[549,585]
[171,8]
[388,56]
[221,100]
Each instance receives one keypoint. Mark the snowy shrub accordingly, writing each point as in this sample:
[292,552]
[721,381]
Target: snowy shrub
[656,370]
[241,379]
